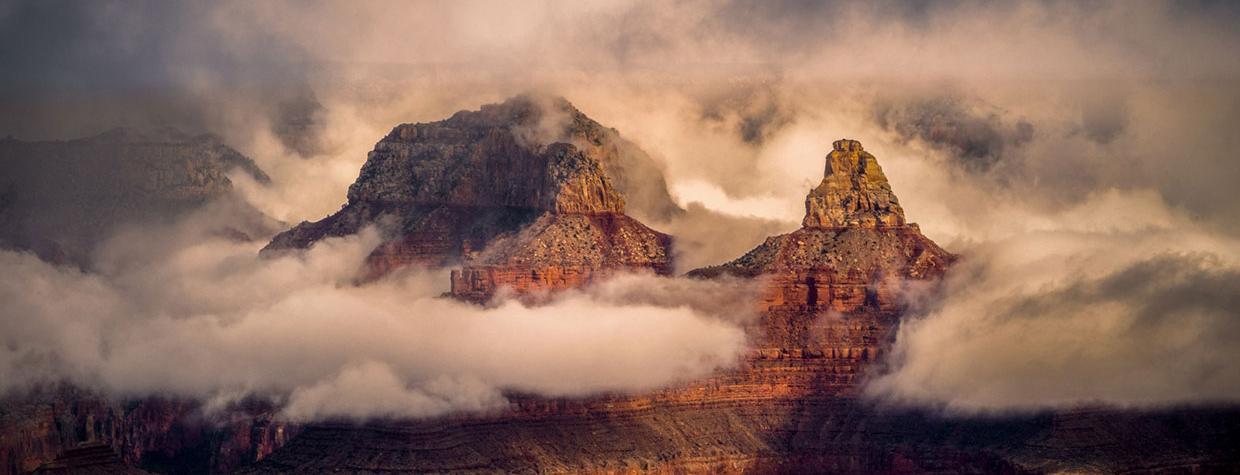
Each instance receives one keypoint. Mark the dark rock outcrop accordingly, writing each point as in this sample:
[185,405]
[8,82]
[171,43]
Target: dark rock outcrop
[60,430]
[60,198]
[88,459]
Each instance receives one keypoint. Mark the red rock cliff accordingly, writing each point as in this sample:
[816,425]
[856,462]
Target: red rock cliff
[834,287]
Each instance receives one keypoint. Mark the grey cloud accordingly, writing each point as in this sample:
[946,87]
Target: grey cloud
[976,135]
[756,111]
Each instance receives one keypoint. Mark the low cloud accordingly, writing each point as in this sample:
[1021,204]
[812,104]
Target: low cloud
[205,318]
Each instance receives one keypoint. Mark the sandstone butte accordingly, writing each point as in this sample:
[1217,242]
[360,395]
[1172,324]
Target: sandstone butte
[525,194]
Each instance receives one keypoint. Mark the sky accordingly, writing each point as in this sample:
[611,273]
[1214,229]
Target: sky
[1079,156]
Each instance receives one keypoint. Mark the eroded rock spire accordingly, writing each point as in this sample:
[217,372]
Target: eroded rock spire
[853,192]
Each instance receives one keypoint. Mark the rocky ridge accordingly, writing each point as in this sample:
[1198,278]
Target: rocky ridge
[489,190]
[60,200]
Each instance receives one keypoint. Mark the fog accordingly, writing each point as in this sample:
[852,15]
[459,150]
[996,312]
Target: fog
[1080,157]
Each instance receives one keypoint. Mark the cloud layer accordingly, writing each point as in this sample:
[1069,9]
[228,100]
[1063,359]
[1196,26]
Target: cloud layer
[208,319]
[1136,316]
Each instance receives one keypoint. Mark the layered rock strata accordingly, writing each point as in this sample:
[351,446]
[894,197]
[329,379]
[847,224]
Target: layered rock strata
[60,200]
[853,192]
[835,287]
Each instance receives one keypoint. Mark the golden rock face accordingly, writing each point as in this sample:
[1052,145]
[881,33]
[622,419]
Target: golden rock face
[853,192]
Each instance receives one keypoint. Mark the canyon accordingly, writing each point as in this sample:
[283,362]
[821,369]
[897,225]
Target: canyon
[530,197]
[831,298]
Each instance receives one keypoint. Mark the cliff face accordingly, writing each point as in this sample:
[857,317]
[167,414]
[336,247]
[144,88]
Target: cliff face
[526,194]
[521,211]
[60,198]
[562,251]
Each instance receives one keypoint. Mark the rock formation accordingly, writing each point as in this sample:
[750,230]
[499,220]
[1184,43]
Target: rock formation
[853,192]
[831,302]
[60,198]
[88,459]
[526,194]
[517,209]
[834,287]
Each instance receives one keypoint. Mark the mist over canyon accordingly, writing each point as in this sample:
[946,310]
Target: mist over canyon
[282,229]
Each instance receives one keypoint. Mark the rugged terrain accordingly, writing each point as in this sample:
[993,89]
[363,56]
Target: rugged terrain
[158,434]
